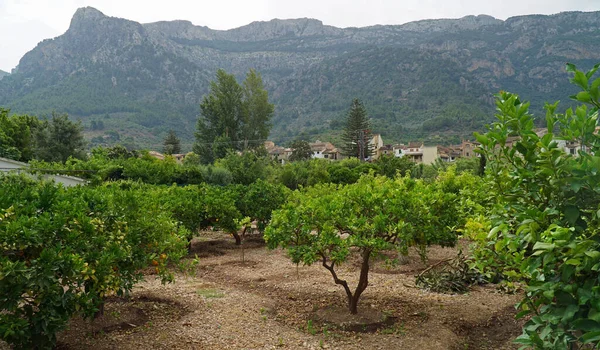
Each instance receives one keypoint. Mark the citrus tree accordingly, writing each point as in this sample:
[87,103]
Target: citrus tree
[64,251]
[327,223]
[544,228]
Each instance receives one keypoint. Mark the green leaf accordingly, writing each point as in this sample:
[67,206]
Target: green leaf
[543,246]
[590,337]
[574,262]
[583,96]
[594,254]
[580,80]
[571,214]
[586,325]
[571,68]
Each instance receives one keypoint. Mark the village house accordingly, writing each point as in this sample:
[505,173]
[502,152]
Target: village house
[376,143]
[278,153]
[325,150]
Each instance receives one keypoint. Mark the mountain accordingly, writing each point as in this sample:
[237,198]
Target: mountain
[3,74]
[431,79]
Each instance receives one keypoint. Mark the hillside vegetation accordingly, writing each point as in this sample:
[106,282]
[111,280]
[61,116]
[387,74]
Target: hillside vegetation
[429,80]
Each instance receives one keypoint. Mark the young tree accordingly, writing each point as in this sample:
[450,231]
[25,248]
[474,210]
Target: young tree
[329,222]
[300,151]
[357,133]
[233,116]
[171,144]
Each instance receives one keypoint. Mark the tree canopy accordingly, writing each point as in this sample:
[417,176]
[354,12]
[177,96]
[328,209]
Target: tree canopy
[300,151]
[233,116]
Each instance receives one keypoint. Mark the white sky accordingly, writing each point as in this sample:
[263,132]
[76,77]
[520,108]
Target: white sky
[24,23]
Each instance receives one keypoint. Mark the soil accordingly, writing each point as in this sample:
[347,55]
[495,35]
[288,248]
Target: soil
[266,302]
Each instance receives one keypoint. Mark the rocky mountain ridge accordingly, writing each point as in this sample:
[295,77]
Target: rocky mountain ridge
[418,80]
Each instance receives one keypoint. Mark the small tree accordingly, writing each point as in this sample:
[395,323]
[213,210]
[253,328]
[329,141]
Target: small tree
[300,151]
[357,133]
[171,144]
[328,222]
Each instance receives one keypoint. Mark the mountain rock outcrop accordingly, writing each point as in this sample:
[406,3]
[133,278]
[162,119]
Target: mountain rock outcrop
[418,80]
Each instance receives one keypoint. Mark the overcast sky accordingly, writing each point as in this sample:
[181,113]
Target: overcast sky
[24,23]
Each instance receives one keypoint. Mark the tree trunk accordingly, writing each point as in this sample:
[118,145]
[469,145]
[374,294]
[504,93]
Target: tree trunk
[100,311]
[238,239]
[363,282]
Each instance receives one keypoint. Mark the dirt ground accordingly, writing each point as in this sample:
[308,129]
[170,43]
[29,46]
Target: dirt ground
[266,302]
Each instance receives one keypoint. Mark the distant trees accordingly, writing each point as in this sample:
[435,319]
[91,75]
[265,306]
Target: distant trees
[301,151]
[17,136]
[171,144]
[59,138]
[24,137]
[357,132]
[233,116]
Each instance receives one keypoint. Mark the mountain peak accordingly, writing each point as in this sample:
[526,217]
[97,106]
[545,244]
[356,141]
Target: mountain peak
[87,13]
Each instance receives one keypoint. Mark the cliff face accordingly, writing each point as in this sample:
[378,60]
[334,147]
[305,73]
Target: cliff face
[416,79]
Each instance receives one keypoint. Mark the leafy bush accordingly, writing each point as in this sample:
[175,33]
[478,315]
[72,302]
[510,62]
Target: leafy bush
[64,250]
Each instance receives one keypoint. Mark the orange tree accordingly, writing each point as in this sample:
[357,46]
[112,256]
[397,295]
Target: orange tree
[64,250]
[329,222]
[544,227]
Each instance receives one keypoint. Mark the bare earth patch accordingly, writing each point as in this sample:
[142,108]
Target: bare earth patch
[266,302]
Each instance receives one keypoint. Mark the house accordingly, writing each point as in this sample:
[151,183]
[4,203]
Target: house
[385,150]
[449,153]
[325,150]
[278,153]
[13,166]
[375,144]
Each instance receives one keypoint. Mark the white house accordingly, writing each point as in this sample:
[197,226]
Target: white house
[13,166]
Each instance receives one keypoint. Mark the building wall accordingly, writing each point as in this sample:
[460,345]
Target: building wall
[430,154]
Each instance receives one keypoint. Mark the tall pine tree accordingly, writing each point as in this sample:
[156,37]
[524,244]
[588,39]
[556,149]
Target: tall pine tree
[357,133]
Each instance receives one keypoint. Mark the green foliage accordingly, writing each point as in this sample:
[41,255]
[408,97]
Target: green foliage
[59,138]
[258,200]
[301,151]
[24,138]
[327,222]
[544,228]
[245,168]
[64,250]
[17,136]
[171,144]
[233,117]
[357,132]
[391,166]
